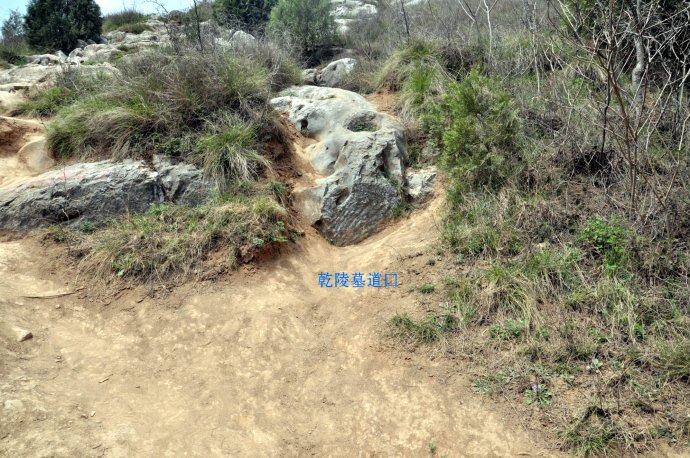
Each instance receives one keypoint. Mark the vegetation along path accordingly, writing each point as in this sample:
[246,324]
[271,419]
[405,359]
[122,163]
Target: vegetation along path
[263,363]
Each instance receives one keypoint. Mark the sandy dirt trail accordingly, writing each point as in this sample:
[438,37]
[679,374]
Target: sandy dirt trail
[263,363]
[260,363]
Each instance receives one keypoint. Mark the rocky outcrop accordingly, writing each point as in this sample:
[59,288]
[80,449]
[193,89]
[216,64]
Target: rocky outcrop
[332,75]
[182,183]
[34,74]
[359,160]
[346,12]
[420,184]
[94,191]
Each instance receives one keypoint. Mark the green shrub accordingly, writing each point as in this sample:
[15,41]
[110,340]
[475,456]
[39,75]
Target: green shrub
[418,71]
[243,13]
[477,127]
[307,23]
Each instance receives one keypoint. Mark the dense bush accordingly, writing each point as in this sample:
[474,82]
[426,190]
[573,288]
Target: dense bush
[309,24]
[477,126]
[57,24]
[251,14]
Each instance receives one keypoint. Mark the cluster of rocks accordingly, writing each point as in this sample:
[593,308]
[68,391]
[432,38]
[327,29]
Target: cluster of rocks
[348,11]
[96,190]
[359,159]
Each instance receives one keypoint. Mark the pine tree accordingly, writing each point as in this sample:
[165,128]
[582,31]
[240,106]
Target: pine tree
[57,24]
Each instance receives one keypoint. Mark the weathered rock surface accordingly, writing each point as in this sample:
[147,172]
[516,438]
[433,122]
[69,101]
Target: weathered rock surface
[94,191]
[34,74]
[359,158]
[182,183]
[420,184]
[352,9]
[332,75]
[346,12]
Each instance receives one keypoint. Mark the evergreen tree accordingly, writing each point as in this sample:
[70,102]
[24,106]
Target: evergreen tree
[57,24]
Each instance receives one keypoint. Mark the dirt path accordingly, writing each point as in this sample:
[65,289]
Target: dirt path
[264,363]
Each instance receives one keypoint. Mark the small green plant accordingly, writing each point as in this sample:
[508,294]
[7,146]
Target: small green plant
[428,330]
[538,394]
[509,329]
[607,239]
[491,383]
[426,288]
[595,365]
[88,227]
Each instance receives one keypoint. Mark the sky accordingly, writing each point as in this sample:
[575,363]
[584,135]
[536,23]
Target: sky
[107,6]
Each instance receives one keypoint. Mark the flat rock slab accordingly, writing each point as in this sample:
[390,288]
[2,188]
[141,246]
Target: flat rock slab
[97,190]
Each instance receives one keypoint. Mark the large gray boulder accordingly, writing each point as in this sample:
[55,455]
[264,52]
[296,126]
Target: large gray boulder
[332,75]
[335,73]
[88,190]
[31,74]
[358,160]
[97,190]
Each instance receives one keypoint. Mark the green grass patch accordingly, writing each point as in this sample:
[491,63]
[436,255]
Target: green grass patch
[173,242]
[127,18]
[208,109]
[425,331]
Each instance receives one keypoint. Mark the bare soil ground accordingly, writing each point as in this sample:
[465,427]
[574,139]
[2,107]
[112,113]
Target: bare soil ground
[261,363]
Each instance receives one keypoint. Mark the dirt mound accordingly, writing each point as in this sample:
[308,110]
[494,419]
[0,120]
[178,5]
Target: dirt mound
[23,152]
[15,133]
